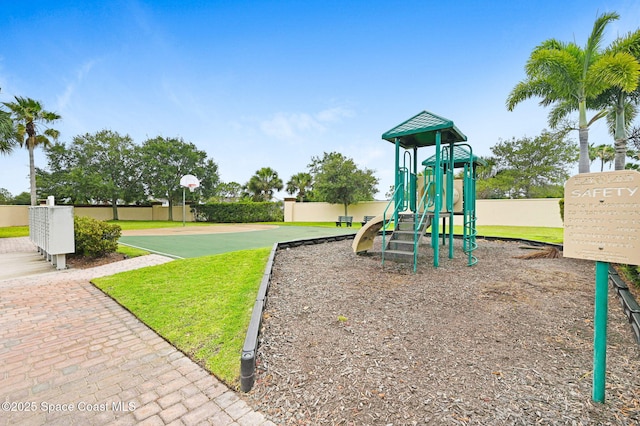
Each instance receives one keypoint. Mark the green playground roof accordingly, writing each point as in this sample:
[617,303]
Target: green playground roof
[421,130]
[460,157]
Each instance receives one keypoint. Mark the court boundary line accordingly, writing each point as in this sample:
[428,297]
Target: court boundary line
[173,256]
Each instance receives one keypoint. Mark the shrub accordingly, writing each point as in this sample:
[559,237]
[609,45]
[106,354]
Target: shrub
[561,203]
[241,212]
[632,273]
[95,238]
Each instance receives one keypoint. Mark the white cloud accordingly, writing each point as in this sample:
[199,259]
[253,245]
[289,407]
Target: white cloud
[334,114]
[292,126]
[289,126]
[65,98]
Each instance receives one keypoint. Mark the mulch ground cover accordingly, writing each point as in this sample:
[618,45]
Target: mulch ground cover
[347,341]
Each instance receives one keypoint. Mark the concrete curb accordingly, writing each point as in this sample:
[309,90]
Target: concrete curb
[250,347]
[627,301]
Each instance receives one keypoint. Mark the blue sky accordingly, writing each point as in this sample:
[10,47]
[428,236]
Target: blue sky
[273,83]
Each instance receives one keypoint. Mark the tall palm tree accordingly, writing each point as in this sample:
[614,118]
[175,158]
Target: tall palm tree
[6,132]
[300,184]
[621,105]
[568,77]
[605,153]
[263,184]
[28,115]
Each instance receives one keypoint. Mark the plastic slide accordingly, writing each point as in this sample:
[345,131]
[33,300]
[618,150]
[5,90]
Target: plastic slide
[363,240]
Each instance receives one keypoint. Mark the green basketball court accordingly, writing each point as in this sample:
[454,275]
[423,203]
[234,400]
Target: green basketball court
[195,245]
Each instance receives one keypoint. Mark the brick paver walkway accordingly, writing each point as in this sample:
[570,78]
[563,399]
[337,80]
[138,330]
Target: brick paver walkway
[71,355]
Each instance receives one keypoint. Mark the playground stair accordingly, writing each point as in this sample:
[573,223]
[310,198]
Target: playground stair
[401,244]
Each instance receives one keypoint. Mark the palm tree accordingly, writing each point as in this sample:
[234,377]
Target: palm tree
[300,183]
[605,153]
[621,105]
[568,77]
[261,186]
[27,115]
[634,155]
[6,132]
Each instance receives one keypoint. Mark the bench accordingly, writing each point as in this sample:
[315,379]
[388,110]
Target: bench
[367,219]
[348,220]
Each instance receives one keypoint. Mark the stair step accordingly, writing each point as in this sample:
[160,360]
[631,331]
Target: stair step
[405,226]
[401,245]
[402,236]
[399,255]
[406,217]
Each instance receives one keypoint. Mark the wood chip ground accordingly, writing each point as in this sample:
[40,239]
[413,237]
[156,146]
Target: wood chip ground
[347,341]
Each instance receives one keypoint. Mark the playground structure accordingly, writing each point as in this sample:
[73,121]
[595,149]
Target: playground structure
[422,197]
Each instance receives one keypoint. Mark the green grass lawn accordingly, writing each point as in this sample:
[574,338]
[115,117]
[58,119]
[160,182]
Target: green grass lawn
[14,231]
[547,235]
[201,305]
[131,251]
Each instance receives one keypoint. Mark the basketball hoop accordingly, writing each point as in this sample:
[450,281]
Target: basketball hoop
[191,182]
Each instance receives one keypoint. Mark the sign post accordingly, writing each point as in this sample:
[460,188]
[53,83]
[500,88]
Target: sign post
[602,223]
[600,330]
[191,182]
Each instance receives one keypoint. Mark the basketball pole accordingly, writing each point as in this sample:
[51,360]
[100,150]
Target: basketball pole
[183,207]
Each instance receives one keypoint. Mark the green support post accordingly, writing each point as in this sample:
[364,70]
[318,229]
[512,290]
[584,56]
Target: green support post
[600,331]
[450,167]
[435,225]
[414,182]
[397,184]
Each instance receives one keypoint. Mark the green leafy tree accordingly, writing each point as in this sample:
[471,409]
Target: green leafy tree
[22,199]
[605,153]
[65,178]
[263,184]
[491,182]
[390,191]
[337,180]
[111,164]
[166,160]
[529,167]
[103,167]
[29,117]
[300,184]
[229,192]
[569,77]
[5,197]
[209,181]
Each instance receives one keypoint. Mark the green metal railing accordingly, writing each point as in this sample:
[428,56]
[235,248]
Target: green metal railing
[469,231]
[400,204]
[425,202]
[448,159]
